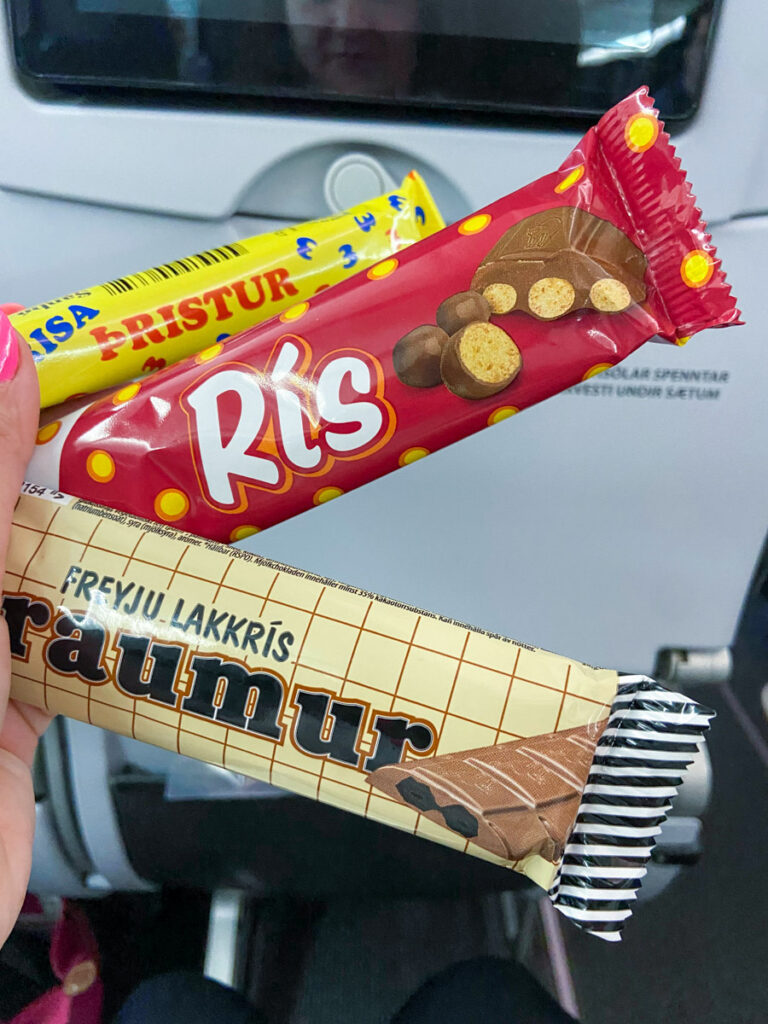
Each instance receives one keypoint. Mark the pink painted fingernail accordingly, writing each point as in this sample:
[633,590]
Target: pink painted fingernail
[9,349]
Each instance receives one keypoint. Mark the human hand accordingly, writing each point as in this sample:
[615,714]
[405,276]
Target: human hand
[20,725]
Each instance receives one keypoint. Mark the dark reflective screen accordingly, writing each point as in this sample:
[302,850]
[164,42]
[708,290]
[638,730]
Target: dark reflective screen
[530,57]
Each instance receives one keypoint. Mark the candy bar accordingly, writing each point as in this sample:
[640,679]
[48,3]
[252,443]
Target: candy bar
[511,305]
[99,337]
[464,737]
[511,799]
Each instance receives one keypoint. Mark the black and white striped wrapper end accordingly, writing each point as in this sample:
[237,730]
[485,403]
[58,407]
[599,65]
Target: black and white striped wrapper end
[651,737]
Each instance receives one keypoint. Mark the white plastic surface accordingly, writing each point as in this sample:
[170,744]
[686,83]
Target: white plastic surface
[201,163]
[89,777]
[354,178]
[52,874]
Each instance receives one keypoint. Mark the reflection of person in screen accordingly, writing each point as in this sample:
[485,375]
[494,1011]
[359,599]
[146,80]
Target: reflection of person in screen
[355,47]
[435,51]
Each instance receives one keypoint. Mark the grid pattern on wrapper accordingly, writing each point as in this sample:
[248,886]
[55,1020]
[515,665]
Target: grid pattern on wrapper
[473,688]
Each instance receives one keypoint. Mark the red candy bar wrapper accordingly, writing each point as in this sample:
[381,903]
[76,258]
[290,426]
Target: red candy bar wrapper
[542,289]
[497,749]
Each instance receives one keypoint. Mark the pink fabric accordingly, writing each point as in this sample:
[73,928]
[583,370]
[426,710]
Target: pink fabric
[73,951]
[31,905]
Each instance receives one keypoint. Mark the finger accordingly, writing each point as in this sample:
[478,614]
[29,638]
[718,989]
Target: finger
[19,411]
[17,830]
[19,402]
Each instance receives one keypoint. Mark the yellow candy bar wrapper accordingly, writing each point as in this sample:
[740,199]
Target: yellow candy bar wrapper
[412,719]
[100,337]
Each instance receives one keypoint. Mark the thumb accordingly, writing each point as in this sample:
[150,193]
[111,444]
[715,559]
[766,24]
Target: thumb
[19,413]
[19,402]
[19,405]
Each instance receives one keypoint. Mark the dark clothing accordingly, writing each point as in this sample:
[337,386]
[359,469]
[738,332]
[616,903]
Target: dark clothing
[186,999]
[485,991]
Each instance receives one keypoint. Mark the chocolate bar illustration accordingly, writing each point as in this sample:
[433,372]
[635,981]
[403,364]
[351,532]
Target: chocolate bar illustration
[512,799]
[559,260]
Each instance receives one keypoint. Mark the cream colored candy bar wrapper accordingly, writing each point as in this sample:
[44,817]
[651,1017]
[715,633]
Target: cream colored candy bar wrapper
[457,735]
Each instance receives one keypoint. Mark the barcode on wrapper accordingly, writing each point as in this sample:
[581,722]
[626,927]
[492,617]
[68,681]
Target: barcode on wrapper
[177,268]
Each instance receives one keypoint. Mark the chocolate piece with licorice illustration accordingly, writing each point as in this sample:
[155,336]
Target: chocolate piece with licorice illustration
[513,799]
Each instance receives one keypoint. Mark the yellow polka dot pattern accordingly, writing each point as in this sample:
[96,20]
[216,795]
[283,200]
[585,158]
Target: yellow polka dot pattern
[241,532]
[209,353]
[100,466]
[48,432]
[474,225]
[502,414]
[413,455]
[171,504]
[326,494]
[570,179]
[294,312]
[597,368]
[126,394]
[641,132]
[697,268]
[384,269]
